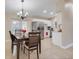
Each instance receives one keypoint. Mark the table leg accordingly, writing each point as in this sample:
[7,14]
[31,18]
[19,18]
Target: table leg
[18,50]
[40,46]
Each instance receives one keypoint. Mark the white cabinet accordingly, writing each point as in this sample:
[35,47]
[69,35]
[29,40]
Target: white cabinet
[57,38]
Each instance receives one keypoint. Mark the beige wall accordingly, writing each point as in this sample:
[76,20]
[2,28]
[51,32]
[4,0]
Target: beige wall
[67,26]
[66,17]
[7,26]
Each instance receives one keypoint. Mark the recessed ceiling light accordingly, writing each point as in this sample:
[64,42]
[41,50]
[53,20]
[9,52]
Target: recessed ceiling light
[51,13]
[44,11]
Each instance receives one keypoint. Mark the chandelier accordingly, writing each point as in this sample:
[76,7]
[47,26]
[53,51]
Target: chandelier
[22,14]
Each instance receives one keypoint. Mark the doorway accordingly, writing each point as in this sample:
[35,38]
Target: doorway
[38,26]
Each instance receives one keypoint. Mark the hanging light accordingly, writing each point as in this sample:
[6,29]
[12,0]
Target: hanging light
[22,14]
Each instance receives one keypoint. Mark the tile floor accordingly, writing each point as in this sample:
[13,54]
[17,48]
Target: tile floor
[49,51]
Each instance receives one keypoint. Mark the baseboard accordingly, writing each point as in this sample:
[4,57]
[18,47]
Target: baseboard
[68,46]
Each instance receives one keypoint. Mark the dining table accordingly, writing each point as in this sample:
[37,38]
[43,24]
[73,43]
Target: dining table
[19,41]
[26,39]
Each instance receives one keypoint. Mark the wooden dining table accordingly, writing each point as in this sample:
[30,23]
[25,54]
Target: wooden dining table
[20,40]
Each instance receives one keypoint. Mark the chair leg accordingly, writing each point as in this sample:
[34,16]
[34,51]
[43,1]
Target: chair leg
[24,50]
[28,54]
[37,53]
[12,48]
[21,46]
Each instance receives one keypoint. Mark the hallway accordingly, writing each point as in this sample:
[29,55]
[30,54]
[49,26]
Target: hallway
[49,51]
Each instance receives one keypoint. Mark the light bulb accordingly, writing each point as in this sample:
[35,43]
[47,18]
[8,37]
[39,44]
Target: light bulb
[26,13]
[20,12]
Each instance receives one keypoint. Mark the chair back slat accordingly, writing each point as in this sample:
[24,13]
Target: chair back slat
[18,33]
[33,38]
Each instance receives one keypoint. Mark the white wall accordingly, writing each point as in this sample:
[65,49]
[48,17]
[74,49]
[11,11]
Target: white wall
[58,19]
[56,35]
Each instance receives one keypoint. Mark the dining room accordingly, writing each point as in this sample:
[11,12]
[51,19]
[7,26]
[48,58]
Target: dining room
[38,29]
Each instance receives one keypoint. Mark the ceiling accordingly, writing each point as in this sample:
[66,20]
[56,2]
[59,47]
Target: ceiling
[35,7]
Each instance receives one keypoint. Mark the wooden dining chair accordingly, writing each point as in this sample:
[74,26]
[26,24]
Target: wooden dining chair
[18,33]
[13,40]
[32,44]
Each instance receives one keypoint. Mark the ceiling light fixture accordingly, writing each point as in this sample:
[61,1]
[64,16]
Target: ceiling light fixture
[22,14]
[51,13]
[69,6]
[44,11]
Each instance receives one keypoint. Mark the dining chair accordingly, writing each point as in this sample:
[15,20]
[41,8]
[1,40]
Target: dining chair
[32,44]
[13,40]
[19,34]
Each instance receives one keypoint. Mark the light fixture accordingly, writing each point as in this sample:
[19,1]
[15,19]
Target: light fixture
[69,6]
[22,13]
[44,11]
[51,13]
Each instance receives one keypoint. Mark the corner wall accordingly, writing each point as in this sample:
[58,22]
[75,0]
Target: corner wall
[67,37]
